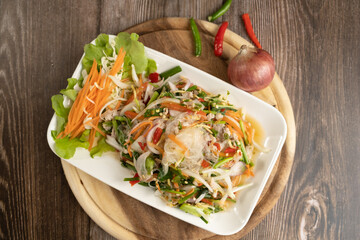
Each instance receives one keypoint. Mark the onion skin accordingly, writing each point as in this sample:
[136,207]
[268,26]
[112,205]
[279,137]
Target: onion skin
[251,69]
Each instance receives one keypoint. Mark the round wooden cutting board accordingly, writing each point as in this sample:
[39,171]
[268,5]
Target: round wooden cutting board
[126,218]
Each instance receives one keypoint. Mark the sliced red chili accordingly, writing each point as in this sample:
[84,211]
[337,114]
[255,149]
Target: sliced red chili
[154,77]
[217,145]
[142,145]
[201,100]
[219,39]
[157,135]
[135,181]
[205,164]
[230,150]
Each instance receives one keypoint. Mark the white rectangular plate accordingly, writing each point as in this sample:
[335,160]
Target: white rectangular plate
[108,168]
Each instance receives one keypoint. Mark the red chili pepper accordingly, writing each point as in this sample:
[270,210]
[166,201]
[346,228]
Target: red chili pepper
[154,77]
[157,135]
[219,39]
[142,145]
[207,201]
[201,100]
[217,145]
[250,30]
[205,164]
[230,150]
[135,181]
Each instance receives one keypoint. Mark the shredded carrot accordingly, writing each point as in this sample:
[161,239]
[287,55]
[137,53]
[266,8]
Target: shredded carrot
[119,102]
[189,192]
[97,129]
[118,62]
[139,92]
[157,186]
[140,126]
[207,201]
[236,180]
[233,114]
[235,126]
[178,142]
[175,106]
[248,172]
[156,147]
[129,150]
[91,100]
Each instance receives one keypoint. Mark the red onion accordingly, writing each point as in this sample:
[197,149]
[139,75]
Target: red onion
[251,69]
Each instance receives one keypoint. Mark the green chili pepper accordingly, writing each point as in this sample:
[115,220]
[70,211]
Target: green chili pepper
[197,38]
[222,161]
[220,12]
[170,72]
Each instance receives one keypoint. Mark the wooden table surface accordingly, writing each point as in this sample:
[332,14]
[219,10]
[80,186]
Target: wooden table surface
[316,47]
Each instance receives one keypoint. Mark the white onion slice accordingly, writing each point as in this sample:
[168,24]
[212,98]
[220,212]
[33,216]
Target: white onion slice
[112,142]
[135,145]
[134,75]
[149,138]
[261,148]
[200,197]
[173,87]
[140,166]
[187,85]
[197,177]
[118,83]
[229,187]
[128,107]
[236,189]
[237,169]
[148,92]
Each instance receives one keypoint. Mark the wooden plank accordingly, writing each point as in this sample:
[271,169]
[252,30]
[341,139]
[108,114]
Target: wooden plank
[41,42]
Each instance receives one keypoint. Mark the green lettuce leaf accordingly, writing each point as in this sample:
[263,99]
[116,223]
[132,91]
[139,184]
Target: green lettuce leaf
[100,148]
[151,67]
[65,148]
[58,106]
[70,92]
[134,49]
[96,51]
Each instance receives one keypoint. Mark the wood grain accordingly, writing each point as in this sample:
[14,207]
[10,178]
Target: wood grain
[316,47]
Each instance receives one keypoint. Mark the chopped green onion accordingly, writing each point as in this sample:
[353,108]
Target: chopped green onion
[222,161]
[131,179]
[170,72]
[192,88]
[243,131]
[242,148]
[153,97]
